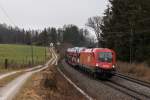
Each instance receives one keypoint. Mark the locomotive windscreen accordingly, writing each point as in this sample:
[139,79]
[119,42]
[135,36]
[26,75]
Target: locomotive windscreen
[105,57]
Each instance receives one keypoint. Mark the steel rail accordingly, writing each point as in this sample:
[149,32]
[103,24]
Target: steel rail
[141,82]
[134,94]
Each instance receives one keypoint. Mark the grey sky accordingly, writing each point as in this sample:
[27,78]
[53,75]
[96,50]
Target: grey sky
[37,14]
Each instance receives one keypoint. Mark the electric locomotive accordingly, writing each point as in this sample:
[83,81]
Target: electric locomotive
[98,61]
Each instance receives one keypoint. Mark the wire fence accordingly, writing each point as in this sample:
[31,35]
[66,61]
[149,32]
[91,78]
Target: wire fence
[27,61]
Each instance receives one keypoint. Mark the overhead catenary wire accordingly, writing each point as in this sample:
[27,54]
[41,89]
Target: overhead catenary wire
[6,14]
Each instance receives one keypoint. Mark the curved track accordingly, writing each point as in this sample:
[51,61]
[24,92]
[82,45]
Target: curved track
[127,85]
[138,95]
[129,90]
[143,83]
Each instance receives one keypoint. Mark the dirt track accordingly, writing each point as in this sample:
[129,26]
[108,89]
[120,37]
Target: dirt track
[49,85]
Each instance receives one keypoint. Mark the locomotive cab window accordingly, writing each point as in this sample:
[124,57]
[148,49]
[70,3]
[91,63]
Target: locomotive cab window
[105,57]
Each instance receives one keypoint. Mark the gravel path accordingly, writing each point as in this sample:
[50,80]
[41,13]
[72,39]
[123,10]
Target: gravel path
[97,89]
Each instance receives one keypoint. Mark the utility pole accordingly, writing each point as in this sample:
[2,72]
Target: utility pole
[32,54]
[45,46]
[31,45]
[45,53]
[131,42]
[132,30]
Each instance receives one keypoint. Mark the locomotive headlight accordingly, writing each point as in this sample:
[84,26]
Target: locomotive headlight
[97,64]
[113,66]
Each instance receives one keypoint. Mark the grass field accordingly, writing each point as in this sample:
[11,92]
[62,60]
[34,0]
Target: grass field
[21,54]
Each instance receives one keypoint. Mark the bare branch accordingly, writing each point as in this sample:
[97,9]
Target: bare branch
[95,23]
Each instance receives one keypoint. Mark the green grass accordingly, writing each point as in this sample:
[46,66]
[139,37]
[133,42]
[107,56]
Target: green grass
[21,54]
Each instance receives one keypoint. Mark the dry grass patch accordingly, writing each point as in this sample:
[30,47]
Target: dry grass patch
[48,85]
[138,70]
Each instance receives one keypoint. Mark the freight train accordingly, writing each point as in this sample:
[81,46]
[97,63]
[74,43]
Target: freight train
[98,61]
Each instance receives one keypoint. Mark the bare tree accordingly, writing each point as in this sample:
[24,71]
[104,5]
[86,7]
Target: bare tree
[95,23]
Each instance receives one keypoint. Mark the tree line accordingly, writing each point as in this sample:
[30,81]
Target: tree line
[68,34]
[125,28]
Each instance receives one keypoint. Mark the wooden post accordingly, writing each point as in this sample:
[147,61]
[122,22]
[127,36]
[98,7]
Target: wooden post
[6,63]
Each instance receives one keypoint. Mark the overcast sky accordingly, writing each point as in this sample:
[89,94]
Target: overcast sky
[37,14]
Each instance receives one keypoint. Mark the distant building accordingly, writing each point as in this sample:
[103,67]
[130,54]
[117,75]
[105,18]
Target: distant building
[51,44]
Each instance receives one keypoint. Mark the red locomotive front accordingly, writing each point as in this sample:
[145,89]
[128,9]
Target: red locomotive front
[105,58]
[98,60]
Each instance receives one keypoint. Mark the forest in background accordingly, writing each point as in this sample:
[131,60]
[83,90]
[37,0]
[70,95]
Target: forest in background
[125,28]
[68,34]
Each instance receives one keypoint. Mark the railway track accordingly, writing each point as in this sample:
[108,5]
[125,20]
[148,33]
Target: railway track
[131,91]
[138,95]
[127,90]
[122,90]
[143,83]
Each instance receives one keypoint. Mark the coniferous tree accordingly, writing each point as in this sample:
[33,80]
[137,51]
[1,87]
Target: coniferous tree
[126,29]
